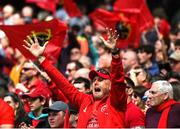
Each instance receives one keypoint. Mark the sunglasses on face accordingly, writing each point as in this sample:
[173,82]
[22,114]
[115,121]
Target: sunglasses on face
[26,69]
[144,98]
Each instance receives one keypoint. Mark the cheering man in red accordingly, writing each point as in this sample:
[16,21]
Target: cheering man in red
[106,107]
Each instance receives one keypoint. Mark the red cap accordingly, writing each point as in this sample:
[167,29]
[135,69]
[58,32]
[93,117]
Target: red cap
[101,73]
[38,89]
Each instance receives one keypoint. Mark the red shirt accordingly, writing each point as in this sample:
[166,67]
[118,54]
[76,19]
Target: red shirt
[6,113]
[134,116]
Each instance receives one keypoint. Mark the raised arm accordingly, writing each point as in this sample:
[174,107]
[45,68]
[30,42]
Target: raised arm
[118,96]
[72,94]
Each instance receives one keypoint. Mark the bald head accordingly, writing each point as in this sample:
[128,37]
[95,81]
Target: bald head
[129,60]
[27,11]
[8,10]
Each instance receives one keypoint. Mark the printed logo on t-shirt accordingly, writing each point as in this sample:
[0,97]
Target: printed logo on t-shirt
[104,109]
[93,123]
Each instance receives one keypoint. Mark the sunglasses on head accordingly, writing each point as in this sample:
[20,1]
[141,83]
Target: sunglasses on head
[103,71]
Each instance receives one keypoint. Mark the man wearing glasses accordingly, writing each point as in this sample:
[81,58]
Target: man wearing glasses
[164,111]
[106,107]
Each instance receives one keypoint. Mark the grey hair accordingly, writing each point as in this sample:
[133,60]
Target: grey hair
[164,86]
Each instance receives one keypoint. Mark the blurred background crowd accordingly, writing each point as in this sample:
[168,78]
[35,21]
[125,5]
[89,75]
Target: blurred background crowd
[156,58]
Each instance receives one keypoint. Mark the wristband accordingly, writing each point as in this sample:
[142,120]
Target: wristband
[41,59]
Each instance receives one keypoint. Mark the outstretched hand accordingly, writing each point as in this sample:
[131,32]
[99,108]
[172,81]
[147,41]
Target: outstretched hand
[33,46]
[112,39]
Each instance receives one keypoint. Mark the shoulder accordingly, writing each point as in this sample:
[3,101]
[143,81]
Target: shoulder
[176,107]
[134,111]
[6,113]
[150,111]
[5,108]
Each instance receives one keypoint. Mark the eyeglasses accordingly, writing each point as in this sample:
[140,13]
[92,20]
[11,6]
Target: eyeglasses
[144,98]
[26,69]
[103,71]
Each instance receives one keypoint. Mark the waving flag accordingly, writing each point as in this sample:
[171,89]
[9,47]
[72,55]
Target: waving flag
[104,18]
[52,31]
[71,8]
[127,29]
[135,10]
[49,5]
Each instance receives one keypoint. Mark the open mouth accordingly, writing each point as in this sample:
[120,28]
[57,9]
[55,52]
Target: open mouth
[97,89]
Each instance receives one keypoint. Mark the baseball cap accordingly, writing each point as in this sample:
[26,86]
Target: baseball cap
[56,106]
[175,56]
[38,89]
[101,73]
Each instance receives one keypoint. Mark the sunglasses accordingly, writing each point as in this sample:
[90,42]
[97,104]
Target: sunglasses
[144,98]
[26,69]
[103,71]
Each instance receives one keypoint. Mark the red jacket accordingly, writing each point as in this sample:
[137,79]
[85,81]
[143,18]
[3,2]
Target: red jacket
[110,110]
[6,113]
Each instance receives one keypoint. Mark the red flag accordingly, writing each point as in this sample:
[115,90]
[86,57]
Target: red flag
[53,31]
[104,18]
[136,10]
[49,5]
[127,29]
[71,8]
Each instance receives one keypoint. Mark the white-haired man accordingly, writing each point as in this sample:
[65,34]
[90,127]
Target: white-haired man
[164,111]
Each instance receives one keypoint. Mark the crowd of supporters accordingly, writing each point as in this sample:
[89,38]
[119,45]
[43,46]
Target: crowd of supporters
[92,84]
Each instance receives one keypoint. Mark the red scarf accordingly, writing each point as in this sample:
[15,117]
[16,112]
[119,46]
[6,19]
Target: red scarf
[165,108]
